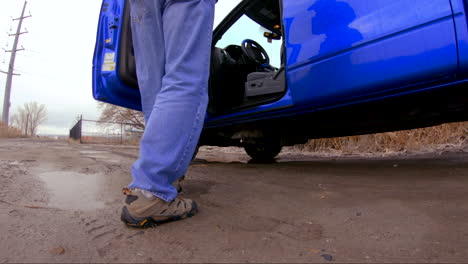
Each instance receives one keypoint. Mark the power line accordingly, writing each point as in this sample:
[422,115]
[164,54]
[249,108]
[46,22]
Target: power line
[10,73]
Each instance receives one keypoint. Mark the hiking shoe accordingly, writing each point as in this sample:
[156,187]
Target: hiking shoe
[141,211]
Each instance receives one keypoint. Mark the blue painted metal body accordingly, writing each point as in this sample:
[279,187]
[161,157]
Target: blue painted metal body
[459,8]
[107,86]
[338,53]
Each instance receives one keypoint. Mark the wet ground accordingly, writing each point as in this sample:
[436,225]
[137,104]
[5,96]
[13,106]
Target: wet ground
[60,202]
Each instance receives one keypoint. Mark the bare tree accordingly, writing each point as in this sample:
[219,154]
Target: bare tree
[113,113]
[21,120]
[29,117]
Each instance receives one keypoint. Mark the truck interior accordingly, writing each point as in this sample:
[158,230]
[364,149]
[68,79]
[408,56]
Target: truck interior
[247,62]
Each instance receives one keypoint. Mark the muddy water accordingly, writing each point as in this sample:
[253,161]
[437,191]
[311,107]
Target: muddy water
[72,190]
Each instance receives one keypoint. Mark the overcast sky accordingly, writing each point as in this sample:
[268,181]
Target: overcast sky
[56,66]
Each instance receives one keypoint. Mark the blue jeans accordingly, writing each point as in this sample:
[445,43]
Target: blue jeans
[172,43]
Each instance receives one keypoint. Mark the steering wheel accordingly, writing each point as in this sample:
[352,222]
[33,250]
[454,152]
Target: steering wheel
[255,52]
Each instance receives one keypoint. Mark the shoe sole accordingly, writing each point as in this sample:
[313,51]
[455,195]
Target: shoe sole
[147,222]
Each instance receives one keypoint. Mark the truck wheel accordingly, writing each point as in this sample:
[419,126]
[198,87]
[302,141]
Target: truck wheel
[263,151]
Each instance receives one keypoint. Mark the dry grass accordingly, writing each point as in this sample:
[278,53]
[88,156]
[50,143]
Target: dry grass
[73,141]
[9,131]
[424,139]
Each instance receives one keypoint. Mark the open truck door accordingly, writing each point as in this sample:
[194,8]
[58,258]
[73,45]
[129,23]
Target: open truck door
[114,72]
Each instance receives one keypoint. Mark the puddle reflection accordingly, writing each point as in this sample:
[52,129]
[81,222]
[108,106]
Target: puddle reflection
[72,190]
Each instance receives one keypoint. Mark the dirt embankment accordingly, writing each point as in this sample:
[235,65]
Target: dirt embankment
[424,140]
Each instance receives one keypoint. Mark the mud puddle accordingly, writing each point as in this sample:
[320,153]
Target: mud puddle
[72,190]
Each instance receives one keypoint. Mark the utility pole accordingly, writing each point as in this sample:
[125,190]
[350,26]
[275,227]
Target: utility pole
[6,99]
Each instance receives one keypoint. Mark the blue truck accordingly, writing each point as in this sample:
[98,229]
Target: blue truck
[286,71]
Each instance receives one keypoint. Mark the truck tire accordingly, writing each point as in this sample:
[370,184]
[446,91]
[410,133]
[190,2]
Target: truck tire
[263,151]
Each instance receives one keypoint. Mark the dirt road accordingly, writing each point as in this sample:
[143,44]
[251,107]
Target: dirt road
[60,202]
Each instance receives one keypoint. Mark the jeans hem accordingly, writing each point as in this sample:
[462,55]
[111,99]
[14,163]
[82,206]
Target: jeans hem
[160,196]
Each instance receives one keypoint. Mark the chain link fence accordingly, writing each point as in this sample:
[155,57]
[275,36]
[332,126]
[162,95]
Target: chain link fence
[101,132]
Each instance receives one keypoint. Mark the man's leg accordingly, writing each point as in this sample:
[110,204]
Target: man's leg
[173,127]
[148,43]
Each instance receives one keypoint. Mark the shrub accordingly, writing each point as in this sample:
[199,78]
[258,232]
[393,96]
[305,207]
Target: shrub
[9,131]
